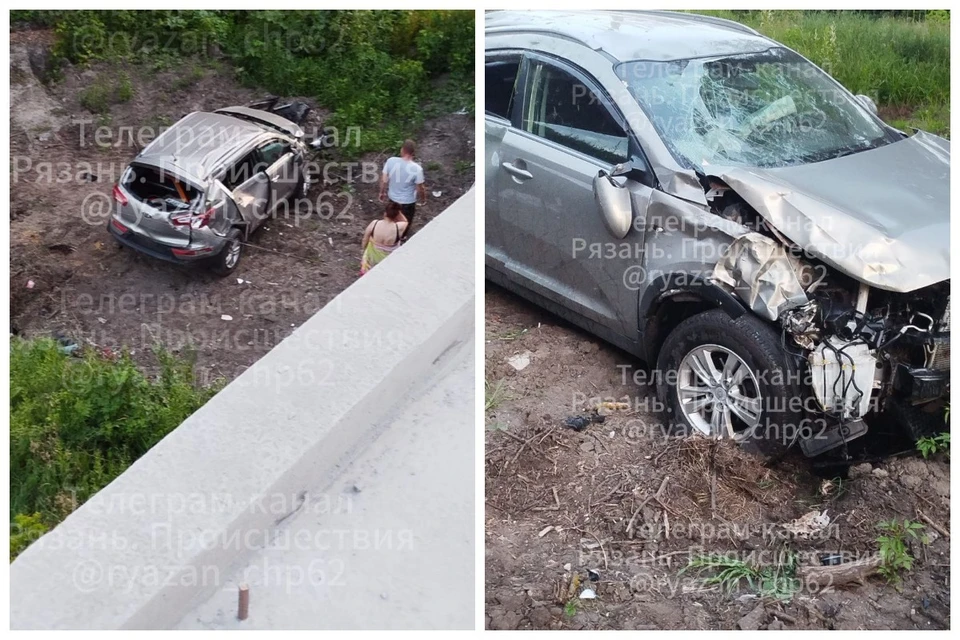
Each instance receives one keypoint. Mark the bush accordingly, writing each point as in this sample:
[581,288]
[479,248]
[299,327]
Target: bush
[373,69]
[104,92]
[78,423]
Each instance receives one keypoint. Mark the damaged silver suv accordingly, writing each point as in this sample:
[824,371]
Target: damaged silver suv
[198,191]
[715,204]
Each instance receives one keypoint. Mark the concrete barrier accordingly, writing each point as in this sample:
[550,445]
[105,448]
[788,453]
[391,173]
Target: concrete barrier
[130,557]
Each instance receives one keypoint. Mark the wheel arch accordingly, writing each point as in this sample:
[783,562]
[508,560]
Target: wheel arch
[672,298]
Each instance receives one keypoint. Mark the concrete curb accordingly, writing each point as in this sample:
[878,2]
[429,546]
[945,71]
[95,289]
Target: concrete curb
[134,555]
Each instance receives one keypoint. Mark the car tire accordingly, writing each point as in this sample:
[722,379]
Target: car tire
[227,260]
[303,186]
[753,379]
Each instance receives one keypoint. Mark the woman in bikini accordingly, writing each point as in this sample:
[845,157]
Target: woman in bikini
[382,236]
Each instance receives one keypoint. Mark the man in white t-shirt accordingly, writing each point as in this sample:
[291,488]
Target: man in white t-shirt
[402,182]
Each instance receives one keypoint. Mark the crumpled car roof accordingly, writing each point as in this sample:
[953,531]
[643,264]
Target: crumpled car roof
[637,35]
[193,145]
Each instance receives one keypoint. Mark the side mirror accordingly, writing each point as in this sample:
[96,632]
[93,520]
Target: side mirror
[868,102]
[613,200]
[621,169]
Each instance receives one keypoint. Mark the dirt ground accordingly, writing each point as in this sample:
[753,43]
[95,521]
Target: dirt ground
[559,504]
[69,278]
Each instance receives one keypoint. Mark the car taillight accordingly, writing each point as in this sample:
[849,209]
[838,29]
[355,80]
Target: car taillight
[118,195]
[183,253]
[196,221]
[118,226]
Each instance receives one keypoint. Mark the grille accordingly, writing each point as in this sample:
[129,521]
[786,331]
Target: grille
[938,357]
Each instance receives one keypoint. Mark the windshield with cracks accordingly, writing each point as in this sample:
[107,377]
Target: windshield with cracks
[767,109]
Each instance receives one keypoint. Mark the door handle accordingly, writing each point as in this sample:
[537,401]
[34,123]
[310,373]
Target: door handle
[516,172]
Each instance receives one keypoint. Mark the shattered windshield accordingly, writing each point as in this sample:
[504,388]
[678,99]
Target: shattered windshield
[767,109]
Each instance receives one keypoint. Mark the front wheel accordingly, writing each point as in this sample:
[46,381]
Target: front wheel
[229,257]
[731,379]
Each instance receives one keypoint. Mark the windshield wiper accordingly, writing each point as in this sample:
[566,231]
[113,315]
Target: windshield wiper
[821,156]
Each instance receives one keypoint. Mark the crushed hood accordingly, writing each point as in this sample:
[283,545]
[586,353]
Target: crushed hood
[881,216]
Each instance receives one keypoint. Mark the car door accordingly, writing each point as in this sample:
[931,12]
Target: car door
[249,185]
[501,73]
[558,244]
[278,161]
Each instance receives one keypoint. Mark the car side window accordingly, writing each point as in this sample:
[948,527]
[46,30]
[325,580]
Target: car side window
[271,152]
[500,78]
[240,171]
[565,110]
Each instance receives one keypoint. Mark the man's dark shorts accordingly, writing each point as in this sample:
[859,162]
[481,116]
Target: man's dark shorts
[409,210]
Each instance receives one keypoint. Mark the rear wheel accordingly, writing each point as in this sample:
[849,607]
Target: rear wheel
[229,257]
[730,379]
[303,186]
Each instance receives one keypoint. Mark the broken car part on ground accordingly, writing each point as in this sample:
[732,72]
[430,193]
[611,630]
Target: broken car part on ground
[787,251]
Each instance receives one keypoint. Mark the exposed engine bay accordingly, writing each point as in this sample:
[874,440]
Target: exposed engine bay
[862,350]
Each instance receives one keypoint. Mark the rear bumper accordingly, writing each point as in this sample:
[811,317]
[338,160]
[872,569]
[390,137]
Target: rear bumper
[162,251]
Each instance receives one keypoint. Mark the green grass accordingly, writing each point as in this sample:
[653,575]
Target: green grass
[463,166]
[901,62]
[76,423]
[494,394]
[894,548]
[769,581]
[511,335]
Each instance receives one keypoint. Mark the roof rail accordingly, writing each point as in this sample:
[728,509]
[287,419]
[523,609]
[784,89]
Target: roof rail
[696,17]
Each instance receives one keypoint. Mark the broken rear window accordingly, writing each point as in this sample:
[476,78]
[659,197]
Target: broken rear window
[767,109]
[159,189]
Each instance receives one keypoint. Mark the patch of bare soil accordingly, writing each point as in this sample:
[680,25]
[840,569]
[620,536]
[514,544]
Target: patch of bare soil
[68,276]
[621,503]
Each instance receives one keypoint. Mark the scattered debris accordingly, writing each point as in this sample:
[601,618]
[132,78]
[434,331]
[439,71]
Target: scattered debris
[612,406]
[62,247]
[827,487]
[574,585]
[29,284]
[808,524]
[226,317]
[520,361]
[588,594]
[239,280]
[636,512]
[545,531]
[594,575]
[67,345]
[832,576]
[579,423]
[437,194]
